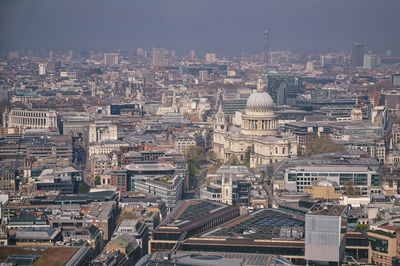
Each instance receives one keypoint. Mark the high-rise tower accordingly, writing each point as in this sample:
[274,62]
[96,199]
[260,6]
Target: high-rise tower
[357,55]
[266,47]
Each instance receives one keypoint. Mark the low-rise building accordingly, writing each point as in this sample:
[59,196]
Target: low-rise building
[168,188]
[137,229]
[38,236]
[103,215]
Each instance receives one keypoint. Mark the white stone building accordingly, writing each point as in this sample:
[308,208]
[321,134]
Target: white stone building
[258,131]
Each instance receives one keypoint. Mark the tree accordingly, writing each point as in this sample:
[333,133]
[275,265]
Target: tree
[193,168]
[247,158]
[322,144]
[97,180]
[350,189]
[233,160]
[362,227]
[83,188]
[195,153]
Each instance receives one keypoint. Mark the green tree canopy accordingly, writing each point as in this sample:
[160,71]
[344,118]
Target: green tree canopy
[233,160]
[97,180]
[83,188]
[195,153]
[321,145]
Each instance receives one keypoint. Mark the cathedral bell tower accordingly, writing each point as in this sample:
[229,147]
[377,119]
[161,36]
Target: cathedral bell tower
[220,124]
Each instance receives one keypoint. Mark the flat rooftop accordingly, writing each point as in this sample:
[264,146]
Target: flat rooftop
[150,167]
[326,210]
[190,213]
[264,224]
[212,258]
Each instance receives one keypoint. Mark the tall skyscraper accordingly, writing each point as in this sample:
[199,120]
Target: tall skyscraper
[159,58]
[357,55]
[266,47]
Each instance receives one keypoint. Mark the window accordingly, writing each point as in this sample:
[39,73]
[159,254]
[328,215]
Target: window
[379,245]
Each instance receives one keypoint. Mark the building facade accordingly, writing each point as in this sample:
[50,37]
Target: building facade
[258,133]
[37,119]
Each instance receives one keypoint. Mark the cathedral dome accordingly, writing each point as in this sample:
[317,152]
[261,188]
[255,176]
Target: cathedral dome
[260,101]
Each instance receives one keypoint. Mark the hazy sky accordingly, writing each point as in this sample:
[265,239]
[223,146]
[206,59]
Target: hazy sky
[229,26]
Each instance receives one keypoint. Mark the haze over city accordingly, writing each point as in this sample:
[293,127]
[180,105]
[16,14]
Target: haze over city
[219,26]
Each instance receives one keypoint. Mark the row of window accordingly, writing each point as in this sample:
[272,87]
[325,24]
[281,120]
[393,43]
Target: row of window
[29,114]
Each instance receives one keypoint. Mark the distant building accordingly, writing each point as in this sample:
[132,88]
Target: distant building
[74,124]
[396,79]
[210,58]
[357,55]
[111,59]
[102,131]
[134,108]
[266,47]
[370,61]
[159,57]
[42,69]
[284,88]
[38,119]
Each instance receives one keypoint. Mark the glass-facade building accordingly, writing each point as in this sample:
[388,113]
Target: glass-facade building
[363,177]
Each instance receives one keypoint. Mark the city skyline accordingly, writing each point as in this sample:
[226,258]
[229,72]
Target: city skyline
[300,26]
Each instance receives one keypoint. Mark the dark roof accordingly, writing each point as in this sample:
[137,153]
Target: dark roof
[190,214]
[263,224]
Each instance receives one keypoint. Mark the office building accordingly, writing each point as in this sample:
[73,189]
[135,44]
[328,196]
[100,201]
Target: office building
[396,79]
[111,59]
[284,88]
[325,231]
[134,109]
[159,57]
[42,69]
[357,55]
[168,188]
[370,61]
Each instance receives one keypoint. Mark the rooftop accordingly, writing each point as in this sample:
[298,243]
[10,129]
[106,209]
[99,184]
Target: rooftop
[326,210]
[150,167]
[263,224]
[212,258]
[191,213]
